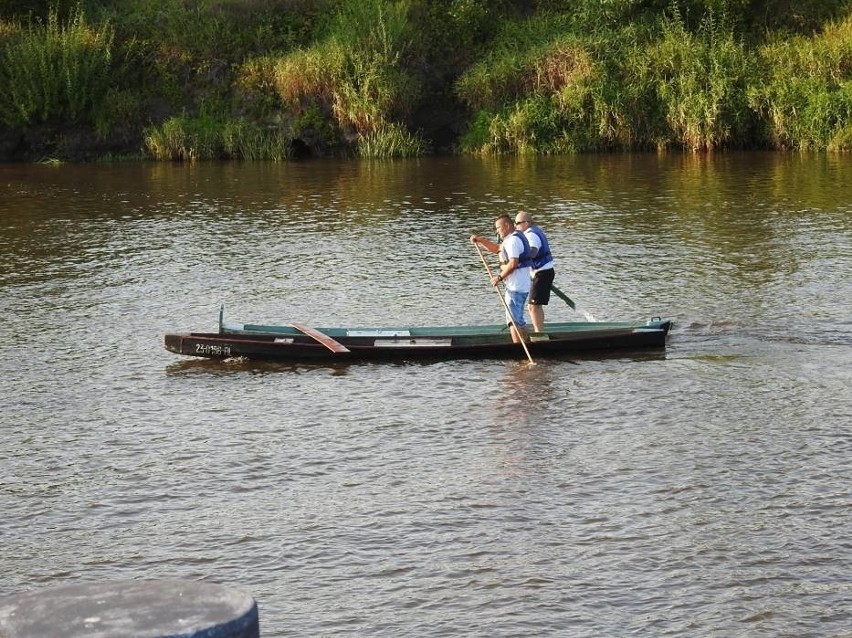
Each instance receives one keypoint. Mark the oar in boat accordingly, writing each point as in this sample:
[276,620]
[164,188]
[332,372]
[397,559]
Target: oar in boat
[570,303]
[505,305]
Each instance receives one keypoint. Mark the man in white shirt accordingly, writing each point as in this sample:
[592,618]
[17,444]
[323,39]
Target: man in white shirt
[515,265]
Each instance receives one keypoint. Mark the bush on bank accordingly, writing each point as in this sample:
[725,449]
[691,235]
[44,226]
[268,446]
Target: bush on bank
[275,79]
[804,94]
[663,87]
[56,71]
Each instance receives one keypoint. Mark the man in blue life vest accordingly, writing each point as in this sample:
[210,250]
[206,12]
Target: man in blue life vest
[542,268]
[515,264]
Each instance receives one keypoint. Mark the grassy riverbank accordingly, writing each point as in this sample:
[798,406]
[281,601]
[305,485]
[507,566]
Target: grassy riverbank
[280,79]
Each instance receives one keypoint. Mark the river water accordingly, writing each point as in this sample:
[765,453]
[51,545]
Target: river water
[704,491]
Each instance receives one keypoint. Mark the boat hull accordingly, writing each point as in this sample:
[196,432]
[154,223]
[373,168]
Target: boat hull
[283,343]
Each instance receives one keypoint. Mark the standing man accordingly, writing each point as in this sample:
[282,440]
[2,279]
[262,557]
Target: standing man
[515,270]
[542,268]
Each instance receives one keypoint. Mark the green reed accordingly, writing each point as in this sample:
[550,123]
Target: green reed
[355,75]
[204,137]
[391,140]
[55,71]
[701,82]
[805,92]
[246,140]
[634,88]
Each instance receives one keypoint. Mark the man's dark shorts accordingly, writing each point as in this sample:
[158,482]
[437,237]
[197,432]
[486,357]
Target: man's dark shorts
[541,284]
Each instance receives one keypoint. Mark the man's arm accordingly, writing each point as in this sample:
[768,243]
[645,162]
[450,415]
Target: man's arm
[535,243]
[486,243]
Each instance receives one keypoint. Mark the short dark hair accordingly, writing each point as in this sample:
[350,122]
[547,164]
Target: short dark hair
[507,217]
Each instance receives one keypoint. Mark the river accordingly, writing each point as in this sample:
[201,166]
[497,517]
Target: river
[704,491]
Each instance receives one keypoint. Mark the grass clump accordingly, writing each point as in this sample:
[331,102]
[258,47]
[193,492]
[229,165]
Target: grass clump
[805,92]
[531,92]
[546,89]
[205,137]
[356,76]
[701,82]
[391,140]
[55,70]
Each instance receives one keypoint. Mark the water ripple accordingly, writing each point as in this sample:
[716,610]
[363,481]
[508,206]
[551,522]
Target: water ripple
[700,492]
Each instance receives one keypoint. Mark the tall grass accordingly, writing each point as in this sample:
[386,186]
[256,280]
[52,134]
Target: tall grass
[243,78]
[805,93]
[55,71]
[701,80]
[531,91]
[548,90]
[355,74]
[215,29]
[206,138]
[391,140]
[531,56]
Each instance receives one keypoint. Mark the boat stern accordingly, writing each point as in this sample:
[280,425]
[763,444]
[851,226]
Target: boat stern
[174,343]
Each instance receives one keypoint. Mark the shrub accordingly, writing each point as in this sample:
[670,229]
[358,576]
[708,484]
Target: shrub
[805,93]
[701,80]
[356,73]
[55,71]
[390,140]
[205,137]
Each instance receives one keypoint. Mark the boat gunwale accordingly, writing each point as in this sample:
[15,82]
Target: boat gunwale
[483,330]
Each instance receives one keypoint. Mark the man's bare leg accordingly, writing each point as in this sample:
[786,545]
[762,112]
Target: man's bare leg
[537,317]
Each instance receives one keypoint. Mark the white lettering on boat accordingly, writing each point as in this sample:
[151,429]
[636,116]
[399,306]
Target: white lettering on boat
[212,349]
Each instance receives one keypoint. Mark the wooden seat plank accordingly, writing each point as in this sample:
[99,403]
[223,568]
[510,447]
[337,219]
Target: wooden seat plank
[321,337]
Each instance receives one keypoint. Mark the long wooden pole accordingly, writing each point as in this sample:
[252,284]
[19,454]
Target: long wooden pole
[505,305]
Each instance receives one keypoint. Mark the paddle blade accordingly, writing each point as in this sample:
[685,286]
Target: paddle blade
[563,297]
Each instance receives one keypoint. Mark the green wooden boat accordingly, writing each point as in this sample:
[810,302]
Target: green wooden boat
[297,342]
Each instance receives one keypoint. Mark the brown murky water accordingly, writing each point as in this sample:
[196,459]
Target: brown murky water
[703,492]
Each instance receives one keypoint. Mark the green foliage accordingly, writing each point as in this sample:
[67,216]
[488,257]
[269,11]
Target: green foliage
[553,91]
[390,140]
[205,137]
[757,17]
[805,95]
[451,33]
[522,60]
[376,29]
[41,9]
[254,90]
[316,128]
[187,52]
[599,16]
[215,29]
[183,138]
[533,126]
[841,140]
[249,141]
[621,99]
[54,71]
[529,76]
[546,90]
[355,74]
[701,81]
[478,139]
